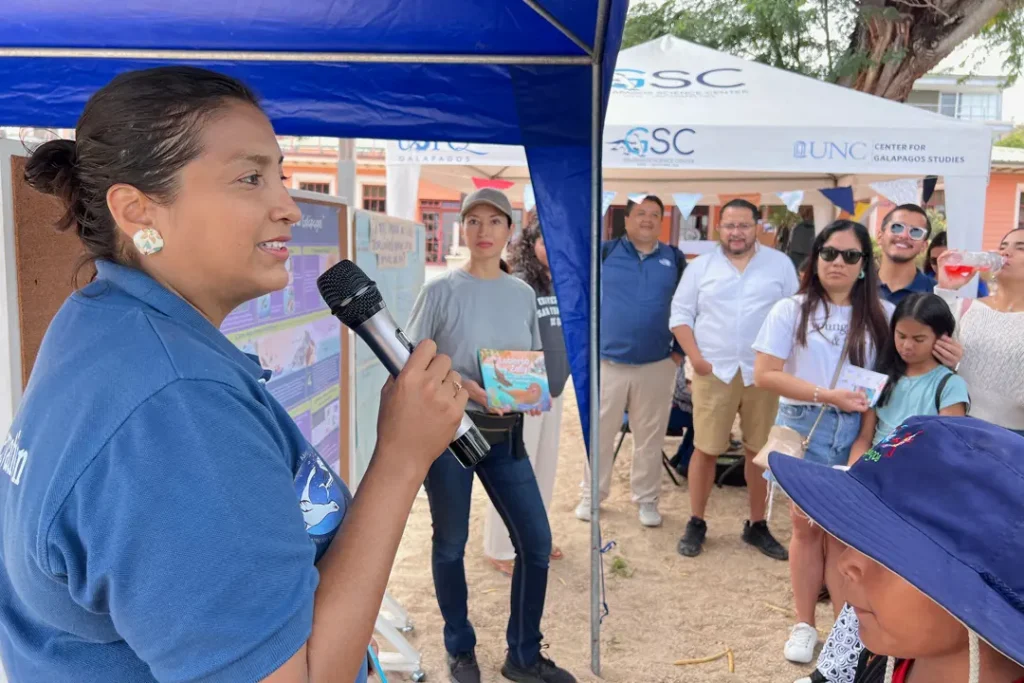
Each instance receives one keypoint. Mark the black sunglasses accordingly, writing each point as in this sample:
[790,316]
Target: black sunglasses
[850,256]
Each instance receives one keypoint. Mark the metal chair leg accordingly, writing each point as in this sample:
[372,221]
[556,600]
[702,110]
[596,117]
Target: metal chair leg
[668,468]
[622,437]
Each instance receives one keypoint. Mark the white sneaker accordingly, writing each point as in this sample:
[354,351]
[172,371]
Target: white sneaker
[649,515]
[800,646]
[583,509]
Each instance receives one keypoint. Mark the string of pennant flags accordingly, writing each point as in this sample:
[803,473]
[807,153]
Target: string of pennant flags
[900,191]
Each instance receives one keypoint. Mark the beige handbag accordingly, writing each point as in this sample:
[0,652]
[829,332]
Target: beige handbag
[786,440]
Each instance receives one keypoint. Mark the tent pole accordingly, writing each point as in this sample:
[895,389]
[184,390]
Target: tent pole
[596,561]
[551,19]
[312,57]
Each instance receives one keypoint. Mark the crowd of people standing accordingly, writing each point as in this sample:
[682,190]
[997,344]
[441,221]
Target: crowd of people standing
[764,343]
[768,344]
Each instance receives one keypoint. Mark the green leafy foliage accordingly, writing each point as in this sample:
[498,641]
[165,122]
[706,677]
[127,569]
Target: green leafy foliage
[819,38]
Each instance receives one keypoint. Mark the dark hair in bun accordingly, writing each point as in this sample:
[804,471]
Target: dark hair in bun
[141,129]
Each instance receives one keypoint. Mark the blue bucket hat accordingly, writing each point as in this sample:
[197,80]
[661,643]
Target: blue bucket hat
[939,502]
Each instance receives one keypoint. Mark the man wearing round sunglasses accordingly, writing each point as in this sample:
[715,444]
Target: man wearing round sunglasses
[903,237]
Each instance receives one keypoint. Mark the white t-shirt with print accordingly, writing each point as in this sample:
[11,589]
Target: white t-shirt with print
[826,335]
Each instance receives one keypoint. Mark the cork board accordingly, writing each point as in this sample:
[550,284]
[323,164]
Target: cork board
[45,261]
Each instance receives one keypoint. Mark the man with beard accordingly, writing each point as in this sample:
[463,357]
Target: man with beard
[903,237]
[718,309]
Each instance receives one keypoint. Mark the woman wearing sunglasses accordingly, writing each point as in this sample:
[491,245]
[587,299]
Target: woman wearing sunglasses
[836,318]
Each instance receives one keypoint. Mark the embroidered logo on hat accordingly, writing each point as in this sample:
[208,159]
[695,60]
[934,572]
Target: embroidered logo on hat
[887,446]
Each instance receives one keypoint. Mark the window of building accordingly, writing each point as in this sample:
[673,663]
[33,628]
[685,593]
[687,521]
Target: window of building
[1020,207]
[430,216]
[971,106]
[375,198]
[322,188]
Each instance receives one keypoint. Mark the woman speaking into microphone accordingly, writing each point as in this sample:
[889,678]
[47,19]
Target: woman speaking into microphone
[158,525]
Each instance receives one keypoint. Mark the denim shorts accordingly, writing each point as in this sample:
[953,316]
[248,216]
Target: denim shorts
[832,439]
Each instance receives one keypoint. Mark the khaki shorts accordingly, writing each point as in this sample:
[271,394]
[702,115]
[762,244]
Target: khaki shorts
[715,405]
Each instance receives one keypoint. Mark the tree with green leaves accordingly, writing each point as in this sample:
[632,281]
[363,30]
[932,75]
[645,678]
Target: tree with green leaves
[1013,139]
[876,46]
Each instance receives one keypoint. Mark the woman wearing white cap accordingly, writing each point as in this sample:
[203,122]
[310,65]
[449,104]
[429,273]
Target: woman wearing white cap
[463,311]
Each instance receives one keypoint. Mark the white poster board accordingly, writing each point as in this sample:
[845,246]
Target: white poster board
[392,252]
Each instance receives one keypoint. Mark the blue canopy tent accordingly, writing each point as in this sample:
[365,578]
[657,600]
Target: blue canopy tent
[534,73]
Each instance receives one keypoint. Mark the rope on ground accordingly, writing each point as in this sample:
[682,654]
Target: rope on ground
[727,655]
[604,595]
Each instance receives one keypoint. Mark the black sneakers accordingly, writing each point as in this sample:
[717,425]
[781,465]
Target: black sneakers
[543,671]
[692,542]
[757,535]
[463,669]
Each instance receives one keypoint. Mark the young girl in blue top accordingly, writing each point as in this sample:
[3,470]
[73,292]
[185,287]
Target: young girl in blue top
[162,516]
[918,384]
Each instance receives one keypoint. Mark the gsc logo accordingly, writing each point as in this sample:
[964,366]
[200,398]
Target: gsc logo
[639,142]
[438,147]
[675,79]
[827,149]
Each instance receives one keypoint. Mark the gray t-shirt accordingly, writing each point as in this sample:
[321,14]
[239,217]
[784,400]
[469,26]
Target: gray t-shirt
[464,314]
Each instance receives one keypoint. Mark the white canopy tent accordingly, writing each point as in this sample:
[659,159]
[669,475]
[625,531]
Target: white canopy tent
[683,117]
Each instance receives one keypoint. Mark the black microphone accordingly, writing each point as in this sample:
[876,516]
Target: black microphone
[355,300]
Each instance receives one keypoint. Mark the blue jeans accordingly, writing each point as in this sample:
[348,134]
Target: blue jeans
[833,437]
[512,487]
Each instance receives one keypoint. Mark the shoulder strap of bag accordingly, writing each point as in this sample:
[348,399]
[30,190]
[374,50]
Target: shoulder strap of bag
[939,390]
[835,380]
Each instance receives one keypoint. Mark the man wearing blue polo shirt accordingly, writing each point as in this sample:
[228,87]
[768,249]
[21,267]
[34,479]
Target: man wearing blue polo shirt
[638,278]
[903,237]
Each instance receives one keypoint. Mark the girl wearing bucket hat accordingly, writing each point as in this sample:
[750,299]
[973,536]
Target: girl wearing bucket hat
[937,588]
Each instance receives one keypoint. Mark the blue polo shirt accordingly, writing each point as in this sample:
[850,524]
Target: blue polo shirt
[636,299]
[921,283]
[161,514]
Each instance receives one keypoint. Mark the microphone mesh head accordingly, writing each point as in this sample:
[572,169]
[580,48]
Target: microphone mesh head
[351,295]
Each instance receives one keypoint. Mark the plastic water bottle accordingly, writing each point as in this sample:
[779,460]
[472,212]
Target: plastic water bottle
[967,263]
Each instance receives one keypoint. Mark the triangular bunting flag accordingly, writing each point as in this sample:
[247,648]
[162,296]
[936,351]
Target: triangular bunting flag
[902,191]
[928,188]
[529,201]
[792,199]
[862,209]
[685,202]
[493,183]
[638,197]
[606,201]
[841,197]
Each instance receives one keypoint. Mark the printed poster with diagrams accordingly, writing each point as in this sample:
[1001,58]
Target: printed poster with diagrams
[296,337]
[392,252]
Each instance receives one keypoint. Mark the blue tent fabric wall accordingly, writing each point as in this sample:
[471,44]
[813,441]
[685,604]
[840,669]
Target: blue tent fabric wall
[323,91]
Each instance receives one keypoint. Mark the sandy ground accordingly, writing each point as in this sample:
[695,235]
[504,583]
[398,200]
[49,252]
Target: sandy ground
[663,607]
